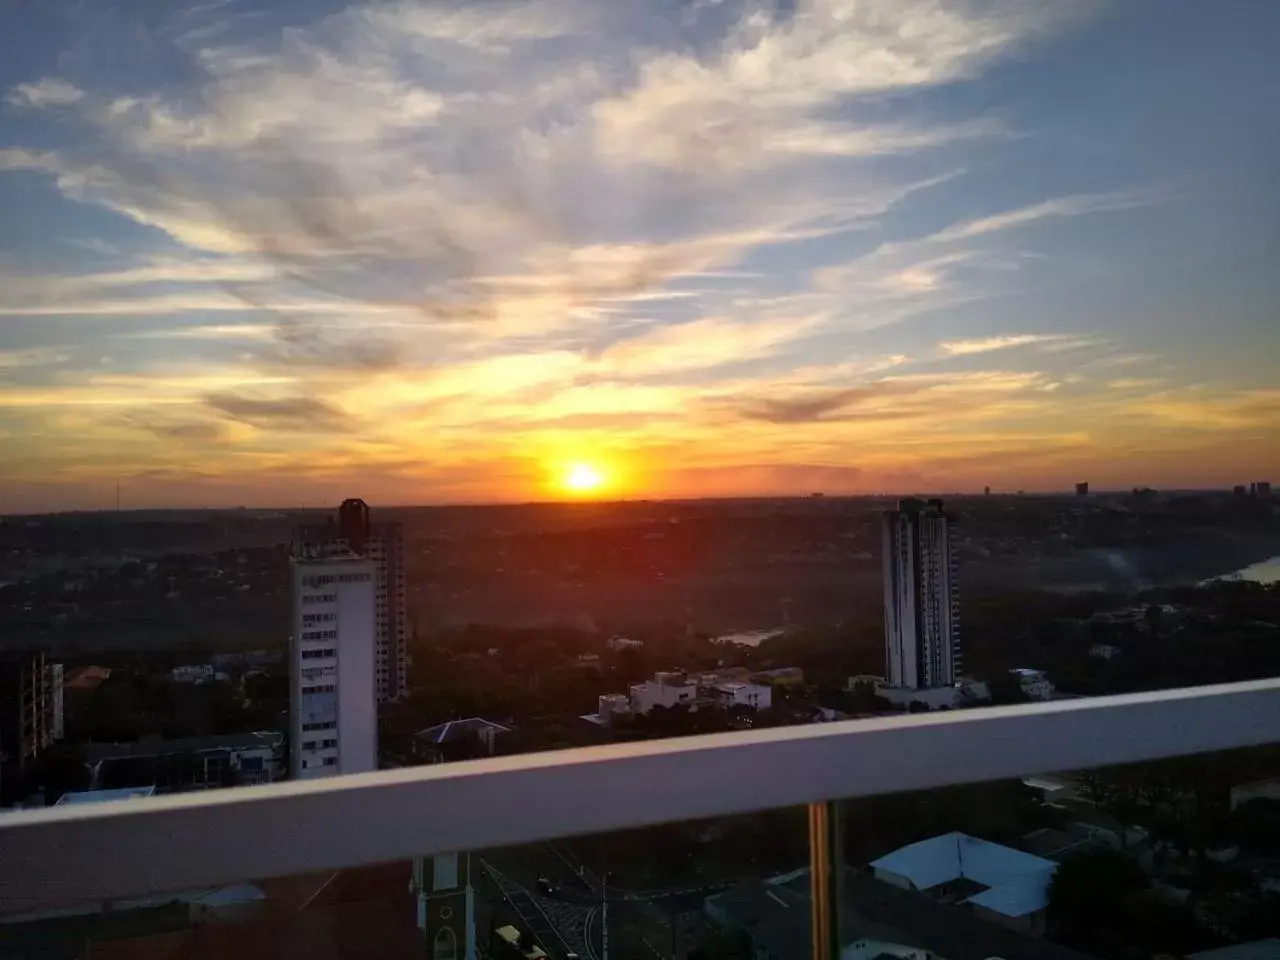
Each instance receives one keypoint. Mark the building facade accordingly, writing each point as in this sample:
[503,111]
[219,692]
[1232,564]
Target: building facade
[666,689]
[333,716]
[382,544]
[922,625]
[187,764]
[30,707]
[446,906]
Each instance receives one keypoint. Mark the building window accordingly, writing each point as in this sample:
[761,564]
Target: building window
[330,761]
[444,871]
[445,946]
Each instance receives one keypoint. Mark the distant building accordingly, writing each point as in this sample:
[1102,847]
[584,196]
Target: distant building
[197,673]
[1082,489]
[333,717]
[922,624]
[104,796]
[993,881]
[1258,790]
[1264,489]
[1103,651]
[1240,491]
[187,763]
[754,695]
[732,686]
[462,740]
[57,688]
[383,545]
[666,689]
[30,704]
[1034,683]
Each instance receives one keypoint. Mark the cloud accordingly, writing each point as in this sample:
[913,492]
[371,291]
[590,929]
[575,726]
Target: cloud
[1072,206]
[50,92]
[964,348]
[283,413]
[811,406]
[981,394]
[701,344]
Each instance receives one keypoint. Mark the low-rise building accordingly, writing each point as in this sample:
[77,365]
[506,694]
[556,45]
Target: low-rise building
[189,763]
[622,643]
[1035,684]
[1258,790]
[666,689]
[197,673]
[462,740]
[736,694]
[993,881]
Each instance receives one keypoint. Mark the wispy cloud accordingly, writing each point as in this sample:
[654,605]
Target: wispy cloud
[50,92]
[964,348]
[1074,206]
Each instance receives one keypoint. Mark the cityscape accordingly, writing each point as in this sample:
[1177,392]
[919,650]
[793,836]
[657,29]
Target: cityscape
[639,480]
[351,646]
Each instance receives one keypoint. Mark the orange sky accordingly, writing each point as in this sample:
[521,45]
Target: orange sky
[850,248]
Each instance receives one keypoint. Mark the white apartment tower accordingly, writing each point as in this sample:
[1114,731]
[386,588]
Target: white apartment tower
[921,615]
[383,545]
[333,716]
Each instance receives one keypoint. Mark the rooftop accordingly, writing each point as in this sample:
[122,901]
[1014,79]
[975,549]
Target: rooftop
[1017,882]
[95,753]
[102,796]
[452,731]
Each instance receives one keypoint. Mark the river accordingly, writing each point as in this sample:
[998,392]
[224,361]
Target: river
[1265,571]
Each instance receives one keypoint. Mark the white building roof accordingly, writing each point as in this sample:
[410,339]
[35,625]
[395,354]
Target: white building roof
[1017,882]
[103,796]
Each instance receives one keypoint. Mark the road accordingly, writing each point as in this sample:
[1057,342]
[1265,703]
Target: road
[560,925]
[572,918]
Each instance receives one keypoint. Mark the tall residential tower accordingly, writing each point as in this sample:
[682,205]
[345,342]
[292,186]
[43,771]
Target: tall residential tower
[921,617]
[333,714]
[383,545]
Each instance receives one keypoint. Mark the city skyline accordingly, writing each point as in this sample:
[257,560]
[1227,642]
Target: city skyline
[555,250]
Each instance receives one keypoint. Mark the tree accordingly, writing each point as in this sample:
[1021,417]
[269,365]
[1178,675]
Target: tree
[1094,897]
[58,770]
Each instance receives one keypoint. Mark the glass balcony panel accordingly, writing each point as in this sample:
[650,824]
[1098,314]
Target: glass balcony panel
[1166,858]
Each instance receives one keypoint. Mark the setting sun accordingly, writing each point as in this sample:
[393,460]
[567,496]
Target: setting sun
[583,478]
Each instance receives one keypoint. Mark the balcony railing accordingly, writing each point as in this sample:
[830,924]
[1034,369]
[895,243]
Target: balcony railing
[62,856]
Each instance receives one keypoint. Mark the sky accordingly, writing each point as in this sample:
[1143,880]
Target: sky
[276,253]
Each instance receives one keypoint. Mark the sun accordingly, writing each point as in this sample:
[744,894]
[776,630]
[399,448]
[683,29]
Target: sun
[583,478]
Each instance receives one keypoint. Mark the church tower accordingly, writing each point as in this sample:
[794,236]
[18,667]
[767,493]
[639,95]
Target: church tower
[446,906]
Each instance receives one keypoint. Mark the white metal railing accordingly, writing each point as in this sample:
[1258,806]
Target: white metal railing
[67,855]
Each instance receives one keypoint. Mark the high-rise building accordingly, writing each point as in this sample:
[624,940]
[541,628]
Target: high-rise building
[383,545]
[922,624]
[30,710]
[1264,488]
[1082,488]
[333,716]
